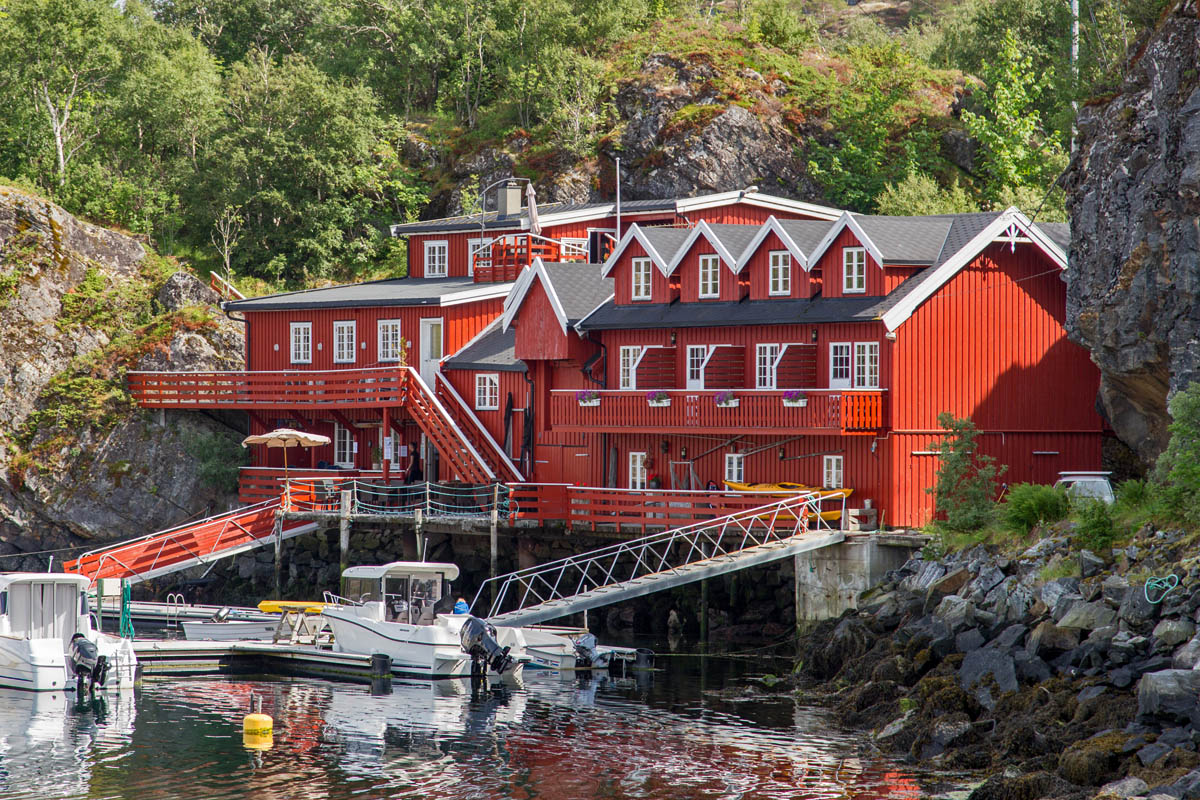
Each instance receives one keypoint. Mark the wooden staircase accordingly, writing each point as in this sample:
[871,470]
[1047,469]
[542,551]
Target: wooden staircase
[187,545]
[499,462]
[455,447]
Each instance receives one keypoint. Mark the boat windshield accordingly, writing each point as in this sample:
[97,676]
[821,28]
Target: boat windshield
[412,599]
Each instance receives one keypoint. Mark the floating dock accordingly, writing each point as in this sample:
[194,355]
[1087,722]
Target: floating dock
[158,657]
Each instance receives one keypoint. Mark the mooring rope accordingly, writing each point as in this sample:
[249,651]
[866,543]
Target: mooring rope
[1166,585]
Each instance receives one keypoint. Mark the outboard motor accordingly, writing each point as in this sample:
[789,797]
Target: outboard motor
[586,656]
[87,664]
[479,642]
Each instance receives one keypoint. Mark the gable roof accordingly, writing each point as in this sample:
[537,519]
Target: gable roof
[573,288]
[917,241]
[660,244]
[493,349]
[389,292]
[799,236]
[559,213]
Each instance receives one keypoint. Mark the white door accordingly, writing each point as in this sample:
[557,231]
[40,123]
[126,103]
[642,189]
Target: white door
[697,358]
[431,349]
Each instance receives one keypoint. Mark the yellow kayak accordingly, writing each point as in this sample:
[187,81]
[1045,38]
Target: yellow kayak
[280,606]
[794,488]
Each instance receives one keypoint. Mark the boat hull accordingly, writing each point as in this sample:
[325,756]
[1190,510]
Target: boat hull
[424,651]
[229,631]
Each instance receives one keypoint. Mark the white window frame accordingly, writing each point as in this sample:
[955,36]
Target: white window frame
[343,446]
[735,467]
[697,382]
[846,351]
[780,275]
[640,280]
[766,357]
[833,475]
[866,365]
[637,469]
[487,391]
[394,455]
[579,242]
[710,276]
[300,335]
[387,330]
[431,248]
[854,270]
[630,357]
[473,245]
[343,344]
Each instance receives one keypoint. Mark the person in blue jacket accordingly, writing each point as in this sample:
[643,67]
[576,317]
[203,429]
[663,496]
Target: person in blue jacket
[461,607]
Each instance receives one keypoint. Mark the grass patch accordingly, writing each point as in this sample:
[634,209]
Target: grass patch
[1059,567]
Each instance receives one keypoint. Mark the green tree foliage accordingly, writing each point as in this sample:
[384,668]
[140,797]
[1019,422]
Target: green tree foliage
[1030,504]
[919,194]
[1178,469]
[219,459]
[966,479]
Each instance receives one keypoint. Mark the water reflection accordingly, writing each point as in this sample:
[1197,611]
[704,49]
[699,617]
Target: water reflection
[670,736]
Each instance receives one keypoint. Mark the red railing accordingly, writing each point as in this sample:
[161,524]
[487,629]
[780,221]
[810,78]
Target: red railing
[378,386]
[591,507]
[690,411]
[508,255]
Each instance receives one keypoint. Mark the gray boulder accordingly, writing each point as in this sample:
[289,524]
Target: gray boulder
[1054,590]
[1187,656]
[1049,639]
[1174,631]
[1122,789]
[979,664]
[956,612]
[1136,609]
[1087,616]
[1114,589]
[1170,694]
[1090,564]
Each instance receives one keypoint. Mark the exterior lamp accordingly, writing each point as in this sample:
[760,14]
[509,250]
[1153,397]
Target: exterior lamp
[781,452]
[814,335]
[665,446]
[683,451]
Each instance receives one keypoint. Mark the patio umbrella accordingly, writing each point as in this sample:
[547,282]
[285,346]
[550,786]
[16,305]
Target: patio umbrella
[285,438]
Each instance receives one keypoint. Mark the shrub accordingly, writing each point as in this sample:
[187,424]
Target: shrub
[1096,529]
[1030,504]
[219,459]
[966,480]
[1178,468]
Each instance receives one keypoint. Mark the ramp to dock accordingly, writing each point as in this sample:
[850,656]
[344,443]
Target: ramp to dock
[189,545]
[660,561]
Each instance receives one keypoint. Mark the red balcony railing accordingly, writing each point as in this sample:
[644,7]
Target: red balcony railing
[285,388]
[504,259]
[690,411]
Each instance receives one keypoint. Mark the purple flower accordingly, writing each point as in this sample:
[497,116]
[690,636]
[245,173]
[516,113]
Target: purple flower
[794,394]
[720,398]
[656,395]
[586,395]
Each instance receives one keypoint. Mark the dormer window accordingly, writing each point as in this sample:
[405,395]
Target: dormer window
[641,279]
[710,277]
[854,270]
[781,273]
[436,259]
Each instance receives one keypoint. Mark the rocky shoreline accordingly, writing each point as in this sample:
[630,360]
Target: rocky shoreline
[1081,686]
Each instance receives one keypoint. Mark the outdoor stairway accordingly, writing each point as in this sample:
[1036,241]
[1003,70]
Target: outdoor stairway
[660,561]
[187,545]
[497,460]
[437,424]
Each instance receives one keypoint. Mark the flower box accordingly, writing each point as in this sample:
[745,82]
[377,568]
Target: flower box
[657,398]
[731,403]
[659,403]
[587,397]
[796,403]
[589,403]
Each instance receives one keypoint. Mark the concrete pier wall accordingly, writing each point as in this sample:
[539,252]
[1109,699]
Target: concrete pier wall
[829,580]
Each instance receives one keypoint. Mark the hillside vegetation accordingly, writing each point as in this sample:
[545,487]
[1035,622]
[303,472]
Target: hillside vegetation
[277,138]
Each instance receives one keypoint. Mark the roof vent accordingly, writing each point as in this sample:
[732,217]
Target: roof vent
[508,199]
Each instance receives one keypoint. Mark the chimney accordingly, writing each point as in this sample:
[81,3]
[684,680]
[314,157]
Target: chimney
[508,199]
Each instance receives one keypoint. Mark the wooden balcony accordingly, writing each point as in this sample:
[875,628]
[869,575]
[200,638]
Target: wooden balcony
[761,411]
[504,258]
[242,390]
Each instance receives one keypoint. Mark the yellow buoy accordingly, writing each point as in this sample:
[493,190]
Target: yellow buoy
[258,729]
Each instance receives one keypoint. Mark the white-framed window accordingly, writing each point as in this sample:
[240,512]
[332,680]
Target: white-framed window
[389,340]
[710,276]
[478,255]
[637,470]
[766,357]
[343,446]
[735,467]
[831,475]
[697,355]
[345,340]
[641,279]
[301,333]
[437,259]
[839,365]
[487,391]
[389,445]
[629,361]
[574,247]
[854,270]
[866,365]
[781,272]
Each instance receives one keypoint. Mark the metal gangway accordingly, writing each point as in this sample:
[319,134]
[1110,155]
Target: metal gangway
[660,561]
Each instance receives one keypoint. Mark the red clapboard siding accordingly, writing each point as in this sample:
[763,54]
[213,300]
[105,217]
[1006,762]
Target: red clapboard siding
[688,273]
[758,268]
[622,273]
[830,265]
[511,383]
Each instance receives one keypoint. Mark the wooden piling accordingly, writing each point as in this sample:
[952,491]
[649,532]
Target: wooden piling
[344,538]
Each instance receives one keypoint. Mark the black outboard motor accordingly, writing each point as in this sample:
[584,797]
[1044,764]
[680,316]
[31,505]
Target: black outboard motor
[479,642]
[586,656]
[87,664]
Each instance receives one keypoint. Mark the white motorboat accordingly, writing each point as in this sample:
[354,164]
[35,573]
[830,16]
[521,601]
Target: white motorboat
[47,642]
[397,610]
[229,631]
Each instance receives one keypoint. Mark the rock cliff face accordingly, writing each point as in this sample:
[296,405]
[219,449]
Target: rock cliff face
[1134,201]
[79,305]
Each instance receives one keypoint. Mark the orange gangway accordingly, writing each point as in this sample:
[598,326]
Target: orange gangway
[188,545]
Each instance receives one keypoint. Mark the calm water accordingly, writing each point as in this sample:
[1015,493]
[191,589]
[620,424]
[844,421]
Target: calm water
[686,731]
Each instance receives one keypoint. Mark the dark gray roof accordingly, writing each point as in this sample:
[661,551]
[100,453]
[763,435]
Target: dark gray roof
[495,349]
[963,228]
[666,240]
[806,233]
[579,287]
[1058,232]
[492,220]
[906,240]
[393,292]
[735,238]
[745,312]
